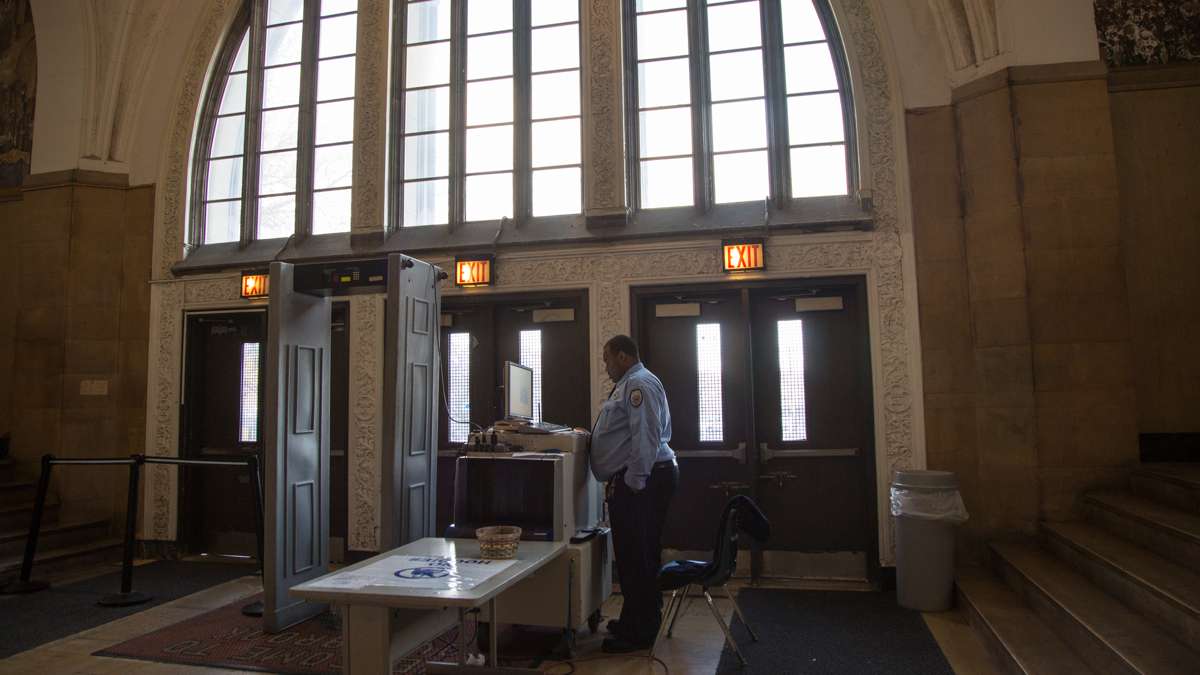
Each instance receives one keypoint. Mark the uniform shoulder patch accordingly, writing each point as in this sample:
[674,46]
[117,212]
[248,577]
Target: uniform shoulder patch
[635,397]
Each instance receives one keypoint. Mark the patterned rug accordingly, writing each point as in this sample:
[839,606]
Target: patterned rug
[225,638]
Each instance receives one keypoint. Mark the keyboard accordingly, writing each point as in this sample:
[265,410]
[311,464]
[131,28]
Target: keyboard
[543,428]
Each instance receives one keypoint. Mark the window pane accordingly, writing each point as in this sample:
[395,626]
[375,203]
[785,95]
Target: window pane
[283,44]
[427,203]
[555,95]
[459,375]
[531,357]
[489,56]
[663,133]
[555,48]
[490,149]
[229,135]
[427,156]
[662,35]
[279,129]
[819,171]
[281,86]
[651,5]
[222,222]
[224,178]
[277,172]
[556,191]
[553,11]
[248,401]
[489,102]
[809,68]
[427,65]
[800,22]
[427,110]
[335,122]
[664,83]
[331,211]
[338,6]
[337,35]
[736,75]
[815,119]
[333,166]
[233,100]
[708,381]
[739,126]
[335,78]
[733,26]
[489,197]
[276,217]
[741,177]
[556,143]
[428,21]
[280,11]
[666,182]
[791,380]
[240,59]
[486,16]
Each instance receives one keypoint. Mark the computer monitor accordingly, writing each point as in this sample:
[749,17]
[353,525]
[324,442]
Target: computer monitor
[518,391]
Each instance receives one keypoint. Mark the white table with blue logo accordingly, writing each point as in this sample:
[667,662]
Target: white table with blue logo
[409,595]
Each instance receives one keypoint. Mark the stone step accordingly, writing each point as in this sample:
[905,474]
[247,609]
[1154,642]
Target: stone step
[1167,593]
[1167,531]
[1175,484]
[55,535]
[1107,635]
[17,516]
[1017,640]
[51,560]
[17,491]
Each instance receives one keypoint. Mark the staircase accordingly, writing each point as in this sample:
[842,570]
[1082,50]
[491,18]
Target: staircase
[1118,592]
[61,545]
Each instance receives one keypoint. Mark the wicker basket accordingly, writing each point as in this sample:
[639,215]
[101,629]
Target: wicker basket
[498,541]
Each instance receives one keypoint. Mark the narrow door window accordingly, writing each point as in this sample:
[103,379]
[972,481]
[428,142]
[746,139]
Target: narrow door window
[460,386]
[248,388]
[708,381]
[531,356]
[791,380]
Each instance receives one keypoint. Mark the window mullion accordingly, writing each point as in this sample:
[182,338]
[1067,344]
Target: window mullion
[395,165]
[632,146]
[254,95]
[701,106]
[307,117]
[458,111]
[522,103]
[775,90]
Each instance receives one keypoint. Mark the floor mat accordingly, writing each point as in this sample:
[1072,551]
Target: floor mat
[37,618]
[224,638]
[819,632]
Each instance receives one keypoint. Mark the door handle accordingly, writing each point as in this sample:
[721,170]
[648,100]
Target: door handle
[738,453]
[767,453]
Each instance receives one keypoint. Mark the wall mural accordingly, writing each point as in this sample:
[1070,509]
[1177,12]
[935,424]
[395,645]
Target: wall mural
[18,89]
[1143,32]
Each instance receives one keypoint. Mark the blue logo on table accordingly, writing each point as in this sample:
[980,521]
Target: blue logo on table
[423,573]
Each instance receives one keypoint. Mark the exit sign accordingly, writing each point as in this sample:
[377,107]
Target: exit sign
[742,256]
[473,271]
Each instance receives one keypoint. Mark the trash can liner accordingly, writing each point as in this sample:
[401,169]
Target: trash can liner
[929,504]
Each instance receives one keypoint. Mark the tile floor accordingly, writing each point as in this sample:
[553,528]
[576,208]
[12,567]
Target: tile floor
[695,647]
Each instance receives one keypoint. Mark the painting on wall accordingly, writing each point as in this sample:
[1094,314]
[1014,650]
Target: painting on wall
[18,87]
[1144,32]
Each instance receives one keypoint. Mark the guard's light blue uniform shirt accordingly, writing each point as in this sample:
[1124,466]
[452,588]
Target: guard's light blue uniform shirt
[633,429]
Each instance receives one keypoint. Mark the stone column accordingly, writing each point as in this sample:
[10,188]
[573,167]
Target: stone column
[604,201]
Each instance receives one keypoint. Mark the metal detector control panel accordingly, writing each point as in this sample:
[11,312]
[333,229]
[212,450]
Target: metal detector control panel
[342,278]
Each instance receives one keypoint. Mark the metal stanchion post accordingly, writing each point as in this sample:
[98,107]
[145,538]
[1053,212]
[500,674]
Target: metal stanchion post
[256,608]
[128,596]
[24,584]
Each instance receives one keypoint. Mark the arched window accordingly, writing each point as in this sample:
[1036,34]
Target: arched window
[735,101]
[274,146]
[489,116]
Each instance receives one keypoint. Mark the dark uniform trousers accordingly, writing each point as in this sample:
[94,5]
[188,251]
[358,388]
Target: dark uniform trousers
[637,523]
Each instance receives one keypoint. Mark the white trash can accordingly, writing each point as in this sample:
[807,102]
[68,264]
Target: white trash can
[927,506]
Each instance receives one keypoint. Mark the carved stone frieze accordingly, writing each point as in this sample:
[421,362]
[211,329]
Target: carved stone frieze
[162,408]
[209,291]
[603,148]
[366,401]
[370,116]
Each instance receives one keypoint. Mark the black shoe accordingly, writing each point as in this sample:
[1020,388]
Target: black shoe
[613,627]
[619,645]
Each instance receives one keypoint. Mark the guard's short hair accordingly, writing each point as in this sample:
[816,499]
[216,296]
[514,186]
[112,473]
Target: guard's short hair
[623,343]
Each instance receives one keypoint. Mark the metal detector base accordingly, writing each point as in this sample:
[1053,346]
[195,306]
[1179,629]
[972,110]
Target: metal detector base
[253,609]
[19,587]
[124,599]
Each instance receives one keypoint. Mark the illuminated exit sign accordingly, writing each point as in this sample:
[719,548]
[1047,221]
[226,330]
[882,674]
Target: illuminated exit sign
[473,272]
[741,256]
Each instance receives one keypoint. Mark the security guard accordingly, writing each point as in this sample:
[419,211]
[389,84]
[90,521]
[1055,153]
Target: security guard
[629,450]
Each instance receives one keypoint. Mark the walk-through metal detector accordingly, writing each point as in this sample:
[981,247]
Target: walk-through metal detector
[296,420]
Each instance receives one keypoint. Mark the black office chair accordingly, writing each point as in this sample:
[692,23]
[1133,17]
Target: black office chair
[741,514]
